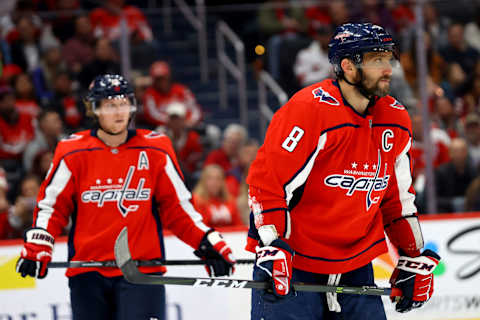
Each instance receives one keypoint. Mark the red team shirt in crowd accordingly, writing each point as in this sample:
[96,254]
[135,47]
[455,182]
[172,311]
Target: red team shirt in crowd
[217,212]
[155,104]
[15,137]
[106,24]
[323,173]
[104,189]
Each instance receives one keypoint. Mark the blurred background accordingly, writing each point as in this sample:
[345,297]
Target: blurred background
[210,74]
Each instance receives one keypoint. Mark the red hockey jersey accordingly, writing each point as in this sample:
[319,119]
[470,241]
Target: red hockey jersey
[323,173]
[104,189]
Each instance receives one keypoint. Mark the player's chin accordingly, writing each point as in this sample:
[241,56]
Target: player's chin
[383,88]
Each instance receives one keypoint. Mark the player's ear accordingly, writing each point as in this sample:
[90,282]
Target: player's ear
[347,66]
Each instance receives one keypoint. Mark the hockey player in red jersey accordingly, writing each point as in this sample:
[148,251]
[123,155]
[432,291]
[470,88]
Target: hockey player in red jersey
[332,177]
[105,179]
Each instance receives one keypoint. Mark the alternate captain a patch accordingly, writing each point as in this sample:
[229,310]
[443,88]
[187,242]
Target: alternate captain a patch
[324,96]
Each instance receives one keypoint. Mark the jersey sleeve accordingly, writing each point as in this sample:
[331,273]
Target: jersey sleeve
[55,201]
[174,201]
[398,209]
[283,164]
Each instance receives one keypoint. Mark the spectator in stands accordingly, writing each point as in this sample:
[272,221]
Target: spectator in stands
[22,8]
[445,116]
[26,100]
[457,49]
[440,142]
[106,22]
[454,82]
[453,178]
[435,66]
[79,50]
[162,92]
[212,200]
[16,131]
[237,176]
[311,64]
[104,62]
[140,85]
[26,49]
[186,142]
[472,135]
[472,196]
[63,23]
[247,155]
[65,102]
[47,135]
[20,215]
[435,25]
[234,137]
[472,31]
[471,99]
[279,21]
[339,12]
[16,127]
[6,230]
[374,11]
[51,65]
[42,163]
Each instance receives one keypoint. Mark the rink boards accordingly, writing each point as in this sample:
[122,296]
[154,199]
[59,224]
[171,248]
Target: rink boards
[457,289]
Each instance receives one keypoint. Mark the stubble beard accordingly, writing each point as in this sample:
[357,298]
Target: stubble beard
[376,89]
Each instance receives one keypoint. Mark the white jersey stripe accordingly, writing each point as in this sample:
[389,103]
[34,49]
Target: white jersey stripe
[302,176]
[404,181]
[183,195]
[58,183]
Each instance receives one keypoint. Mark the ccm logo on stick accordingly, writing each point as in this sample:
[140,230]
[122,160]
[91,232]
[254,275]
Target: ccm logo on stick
[225,283]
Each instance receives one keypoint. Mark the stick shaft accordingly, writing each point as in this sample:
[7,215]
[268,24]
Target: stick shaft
[140,263]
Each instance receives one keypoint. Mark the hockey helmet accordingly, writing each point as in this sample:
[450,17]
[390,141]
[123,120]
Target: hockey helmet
[352,40]
[109,86]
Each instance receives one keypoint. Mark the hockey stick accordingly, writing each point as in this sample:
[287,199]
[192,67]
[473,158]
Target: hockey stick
[139,263]
[133,275]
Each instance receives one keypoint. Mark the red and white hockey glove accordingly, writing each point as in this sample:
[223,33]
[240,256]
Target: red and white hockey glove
[36,253]
[275,261]
[414,276]
[217,254]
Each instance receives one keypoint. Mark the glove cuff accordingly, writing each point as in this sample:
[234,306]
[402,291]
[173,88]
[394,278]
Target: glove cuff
[39,236]
[279,243]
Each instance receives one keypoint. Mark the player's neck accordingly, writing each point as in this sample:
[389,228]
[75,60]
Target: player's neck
[112,140]
[357,100]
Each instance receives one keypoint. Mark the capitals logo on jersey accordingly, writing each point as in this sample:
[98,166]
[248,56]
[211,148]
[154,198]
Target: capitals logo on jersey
[397,105]
[120,193]
[367,184]
[325,96]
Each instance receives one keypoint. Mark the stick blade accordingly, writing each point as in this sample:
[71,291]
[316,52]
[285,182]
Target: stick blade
[128,267]
[121,249]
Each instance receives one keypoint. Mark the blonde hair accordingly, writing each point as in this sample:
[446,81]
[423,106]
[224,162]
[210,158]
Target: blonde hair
[200,189]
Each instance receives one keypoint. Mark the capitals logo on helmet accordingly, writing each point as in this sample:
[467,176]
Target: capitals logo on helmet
[352,40]
[108,86]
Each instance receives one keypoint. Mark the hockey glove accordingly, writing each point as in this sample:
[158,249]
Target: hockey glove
[275,262]
[217,254]
[36,253]
[414,276]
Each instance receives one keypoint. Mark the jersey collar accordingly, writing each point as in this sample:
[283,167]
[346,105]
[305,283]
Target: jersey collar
[131,133]
[346,103]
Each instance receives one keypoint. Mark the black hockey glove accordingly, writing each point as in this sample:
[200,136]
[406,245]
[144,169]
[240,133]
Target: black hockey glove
[217,254]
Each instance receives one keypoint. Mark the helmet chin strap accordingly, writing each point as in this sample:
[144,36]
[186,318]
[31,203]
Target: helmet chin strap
[359,85]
